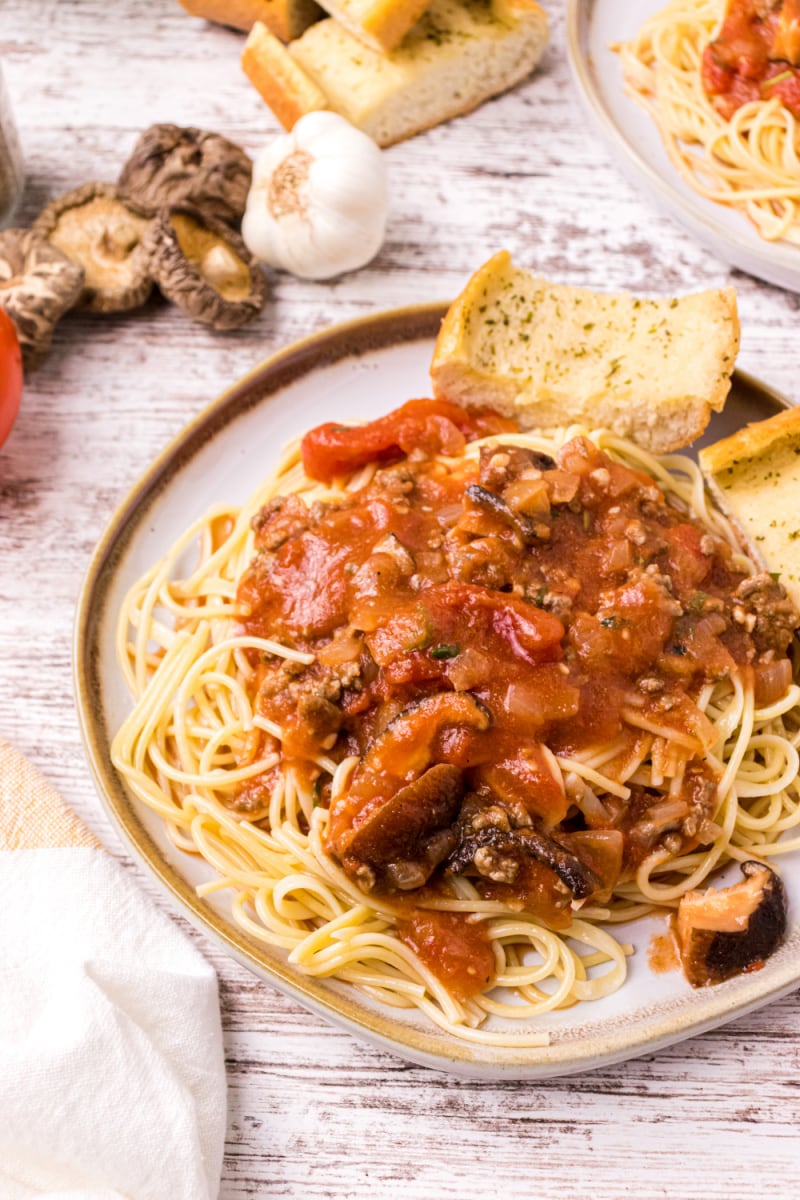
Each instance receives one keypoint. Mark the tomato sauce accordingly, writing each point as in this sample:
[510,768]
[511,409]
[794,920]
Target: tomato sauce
[473,616]
[756,56]
[457,950]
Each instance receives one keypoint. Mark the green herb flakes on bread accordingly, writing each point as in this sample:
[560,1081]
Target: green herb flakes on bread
[548,354]
[754,476]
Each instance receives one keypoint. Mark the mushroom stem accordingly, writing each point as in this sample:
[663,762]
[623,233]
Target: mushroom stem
[116,243]
[221,267]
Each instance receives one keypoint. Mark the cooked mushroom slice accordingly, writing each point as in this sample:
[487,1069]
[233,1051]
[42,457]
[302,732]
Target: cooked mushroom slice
[489,847]
[201,265]
[175,165]
[95,229]
[395,829]
[38,284]
[722,933]
[530,531]
[406,746]
[405,874]
[786,39]
[500,465]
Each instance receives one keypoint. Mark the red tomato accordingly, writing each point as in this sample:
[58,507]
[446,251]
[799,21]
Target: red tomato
[688,566]
[437,425]
[10,375]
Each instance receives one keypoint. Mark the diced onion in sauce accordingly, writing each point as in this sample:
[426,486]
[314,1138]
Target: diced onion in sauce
[528,496]
[661,816]
[620,555]
[563,486]
[772,681]
[470,669]
[340,650]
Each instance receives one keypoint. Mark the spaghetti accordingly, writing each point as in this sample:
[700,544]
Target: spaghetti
[285,814]
[728,111]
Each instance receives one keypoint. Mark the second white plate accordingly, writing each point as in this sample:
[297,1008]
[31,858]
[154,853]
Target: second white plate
[635,144]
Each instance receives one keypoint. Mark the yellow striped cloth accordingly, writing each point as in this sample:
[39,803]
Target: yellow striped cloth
[32,814]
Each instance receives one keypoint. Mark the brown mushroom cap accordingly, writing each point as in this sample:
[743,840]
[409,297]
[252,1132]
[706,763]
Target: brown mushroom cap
[201,265]
[38,284]
[174,165]
[94,228]
[723,932]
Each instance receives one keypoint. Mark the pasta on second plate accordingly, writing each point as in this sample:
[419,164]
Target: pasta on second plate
[721,80]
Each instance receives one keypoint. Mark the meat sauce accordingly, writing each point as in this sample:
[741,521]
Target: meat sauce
[472,617]
[755,56]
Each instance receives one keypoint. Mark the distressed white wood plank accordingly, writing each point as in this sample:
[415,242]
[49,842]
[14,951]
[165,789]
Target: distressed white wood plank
[314,1113]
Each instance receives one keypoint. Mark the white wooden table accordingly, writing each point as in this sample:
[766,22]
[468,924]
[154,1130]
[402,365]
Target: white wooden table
[312,1112]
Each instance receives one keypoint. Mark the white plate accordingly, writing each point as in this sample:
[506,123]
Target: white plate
[358,370]
[636,146]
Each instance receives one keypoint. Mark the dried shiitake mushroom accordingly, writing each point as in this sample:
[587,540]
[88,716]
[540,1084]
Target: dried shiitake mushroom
[201,265]
[94,228]
[38,284]
[174,165]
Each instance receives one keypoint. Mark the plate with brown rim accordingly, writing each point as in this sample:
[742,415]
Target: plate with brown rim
[356,371]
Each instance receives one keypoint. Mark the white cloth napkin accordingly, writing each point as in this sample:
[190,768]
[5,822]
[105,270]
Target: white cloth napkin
[112,1080]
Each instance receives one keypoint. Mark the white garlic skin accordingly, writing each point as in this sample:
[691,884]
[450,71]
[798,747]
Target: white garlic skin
[318,203]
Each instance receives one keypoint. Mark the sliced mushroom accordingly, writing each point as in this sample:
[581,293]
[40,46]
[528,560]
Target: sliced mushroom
[395,829]
[38,284]
[174,165]
[530,531]
[406,746]
[95,229]
[513,847]
[201,265]
[786,40]
[405,874]
[489,846]
[722,933]
[500,465]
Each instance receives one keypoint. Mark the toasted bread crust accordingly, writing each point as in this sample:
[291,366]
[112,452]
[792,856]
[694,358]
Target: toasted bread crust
[285,18]
[278,78]
[757,438]
[548,355]
[754,476]
[383,24]
[237,14]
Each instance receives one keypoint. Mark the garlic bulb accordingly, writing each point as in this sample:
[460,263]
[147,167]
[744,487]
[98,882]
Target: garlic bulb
[318,202]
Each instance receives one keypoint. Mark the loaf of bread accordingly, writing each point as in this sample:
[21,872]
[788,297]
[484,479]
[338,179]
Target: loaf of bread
[547,354]
[458,54]
[380,24]
[754,475]
[285,18]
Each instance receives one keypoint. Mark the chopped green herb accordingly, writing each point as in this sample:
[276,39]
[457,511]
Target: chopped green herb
[317,792]
[445,650]
[784,75]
